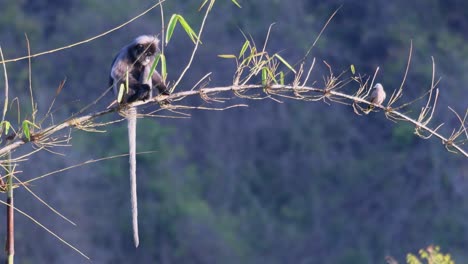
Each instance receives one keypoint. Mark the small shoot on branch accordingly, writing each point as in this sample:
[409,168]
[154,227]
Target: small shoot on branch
[27,128]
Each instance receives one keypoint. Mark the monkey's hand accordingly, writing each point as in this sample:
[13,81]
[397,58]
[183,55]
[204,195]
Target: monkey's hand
[162,88]
[145,92]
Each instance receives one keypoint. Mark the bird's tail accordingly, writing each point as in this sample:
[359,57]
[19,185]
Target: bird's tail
[132,120]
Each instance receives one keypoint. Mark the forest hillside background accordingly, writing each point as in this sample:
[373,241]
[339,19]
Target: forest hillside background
[297,182]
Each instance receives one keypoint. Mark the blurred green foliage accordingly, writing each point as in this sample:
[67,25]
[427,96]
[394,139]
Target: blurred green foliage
[431,255]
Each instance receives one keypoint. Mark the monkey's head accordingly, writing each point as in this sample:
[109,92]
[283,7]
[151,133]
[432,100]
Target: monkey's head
[144,49]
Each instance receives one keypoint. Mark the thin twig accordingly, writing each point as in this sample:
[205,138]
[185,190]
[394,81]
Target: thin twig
[48,230]
[194,51]
[86,40]
[81,164]
[44,202]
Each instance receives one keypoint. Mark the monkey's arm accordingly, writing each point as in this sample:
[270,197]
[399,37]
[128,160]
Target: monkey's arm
[158,83]
[136,91]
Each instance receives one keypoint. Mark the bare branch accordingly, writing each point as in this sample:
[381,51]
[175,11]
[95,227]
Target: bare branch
[303,93]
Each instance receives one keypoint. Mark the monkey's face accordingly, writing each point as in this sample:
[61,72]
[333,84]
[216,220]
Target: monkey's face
[145,53]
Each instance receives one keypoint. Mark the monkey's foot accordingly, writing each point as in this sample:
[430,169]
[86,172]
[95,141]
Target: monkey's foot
[165,102]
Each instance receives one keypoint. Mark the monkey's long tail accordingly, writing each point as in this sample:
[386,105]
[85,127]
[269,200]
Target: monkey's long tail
[132,121]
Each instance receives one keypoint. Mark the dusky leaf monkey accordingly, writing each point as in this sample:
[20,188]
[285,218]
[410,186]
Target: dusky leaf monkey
[132,65]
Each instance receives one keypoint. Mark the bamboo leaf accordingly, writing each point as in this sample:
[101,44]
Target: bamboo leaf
[227,56]
[26,131]
[31,124]
[172,24]
[121,92]
[203,4]
[272,76]
[153,67]
[244,48]
[163,67]
[170,27]
[188,29]
[5,124]
[353,70]
[285,62]
[253,50]
[236,3]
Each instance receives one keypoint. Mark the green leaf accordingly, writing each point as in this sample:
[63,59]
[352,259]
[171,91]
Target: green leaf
[423,254]
[163,67]
[203,4]
[244,48]
[153,67]
[172,24]
[26,128]
[237,4]
[26,131]
[170,27]
[188,29]
[353,70]
[227,56]
[412,259]
[285,63]
[264,76]
[7,126]
[121,92]
[272,76]
[282,78]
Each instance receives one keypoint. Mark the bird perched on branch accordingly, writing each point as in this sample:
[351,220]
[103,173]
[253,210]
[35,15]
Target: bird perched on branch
[377,97]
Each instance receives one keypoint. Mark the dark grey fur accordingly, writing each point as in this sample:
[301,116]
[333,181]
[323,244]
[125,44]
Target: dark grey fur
[137,58]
